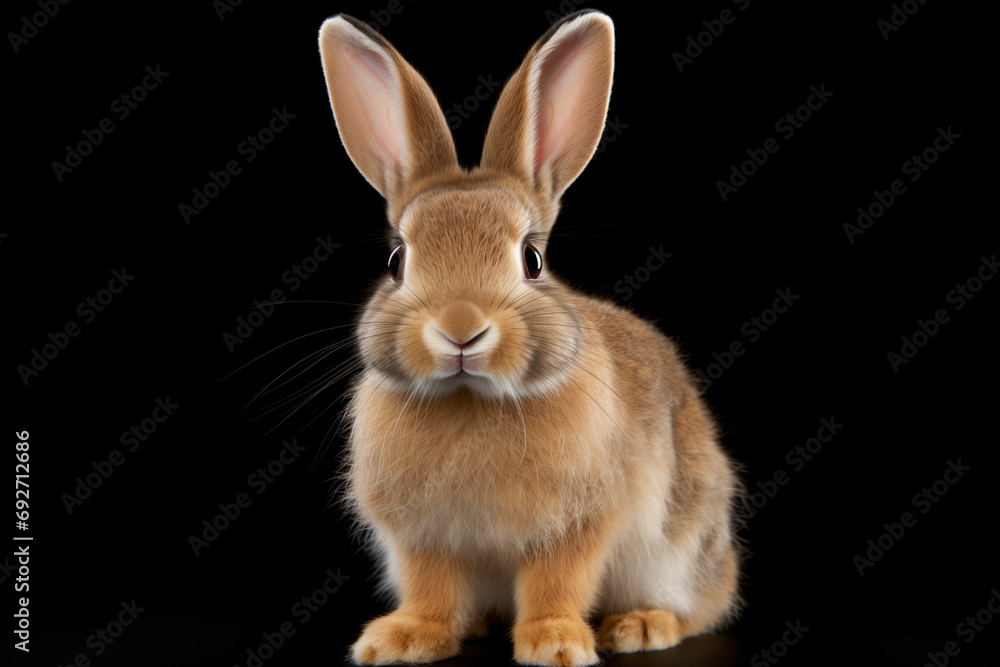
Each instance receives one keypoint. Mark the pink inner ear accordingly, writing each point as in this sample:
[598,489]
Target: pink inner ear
[374,104]
[562,87]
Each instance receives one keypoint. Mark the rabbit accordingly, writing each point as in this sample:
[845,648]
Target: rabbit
[516,449]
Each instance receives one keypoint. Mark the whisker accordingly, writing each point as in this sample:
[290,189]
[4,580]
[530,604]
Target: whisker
[275,349]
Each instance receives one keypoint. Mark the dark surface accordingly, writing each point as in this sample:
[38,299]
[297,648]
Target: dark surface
[652,185]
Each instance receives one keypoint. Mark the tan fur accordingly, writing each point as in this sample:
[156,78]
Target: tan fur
[639,630]
[571,467]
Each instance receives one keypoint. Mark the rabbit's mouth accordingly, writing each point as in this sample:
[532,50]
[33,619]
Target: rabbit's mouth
[468,356]
[468,364]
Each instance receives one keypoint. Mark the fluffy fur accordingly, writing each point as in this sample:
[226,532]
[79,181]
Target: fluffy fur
[517,448]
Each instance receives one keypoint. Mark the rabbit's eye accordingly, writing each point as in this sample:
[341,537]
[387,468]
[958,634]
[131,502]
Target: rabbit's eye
[396,263]
[532,262]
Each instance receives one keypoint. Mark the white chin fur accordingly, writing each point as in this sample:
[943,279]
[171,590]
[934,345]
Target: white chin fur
[477,384]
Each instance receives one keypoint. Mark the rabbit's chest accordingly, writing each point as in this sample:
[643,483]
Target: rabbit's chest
[484,480]
[469,480]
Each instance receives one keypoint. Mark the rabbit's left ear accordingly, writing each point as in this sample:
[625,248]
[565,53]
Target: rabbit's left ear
[389,120]
[550,115]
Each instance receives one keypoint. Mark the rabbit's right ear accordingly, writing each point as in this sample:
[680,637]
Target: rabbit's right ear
[550,115]
[389,120]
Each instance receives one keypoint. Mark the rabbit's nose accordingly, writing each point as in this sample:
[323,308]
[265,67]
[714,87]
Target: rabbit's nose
[460,328]
[460,322]
[463,345]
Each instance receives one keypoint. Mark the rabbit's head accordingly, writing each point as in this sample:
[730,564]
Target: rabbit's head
[467,301]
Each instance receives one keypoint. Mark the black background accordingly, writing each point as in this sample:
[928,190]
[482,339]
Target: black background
[652,184]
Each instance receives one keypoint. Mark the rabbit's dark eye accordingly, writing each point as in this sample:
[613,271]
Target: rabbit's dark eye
[396,263]
[532,262]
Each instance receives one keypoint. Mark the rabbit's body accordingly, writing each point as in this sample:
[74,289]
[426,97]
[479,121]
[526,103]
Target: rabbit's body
[617,446]
[515,447]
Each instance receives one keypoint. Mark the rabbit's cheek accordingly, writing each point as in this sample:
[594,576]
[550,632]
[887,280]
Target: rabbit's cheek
[511,351]
[417,359]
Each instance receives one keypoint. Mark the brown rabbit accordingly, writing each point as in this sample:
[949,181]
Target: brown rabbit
[517,448]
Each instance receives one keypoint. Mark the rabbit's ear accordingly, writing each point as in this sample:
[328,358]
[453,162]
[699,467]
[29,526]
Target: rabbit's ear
[550,115]
[389,120]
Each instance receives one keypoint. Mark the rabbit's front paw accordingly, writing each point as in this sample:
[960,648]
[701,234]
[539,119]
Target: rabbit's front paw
[559,641]
[396,638]
[639,630]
